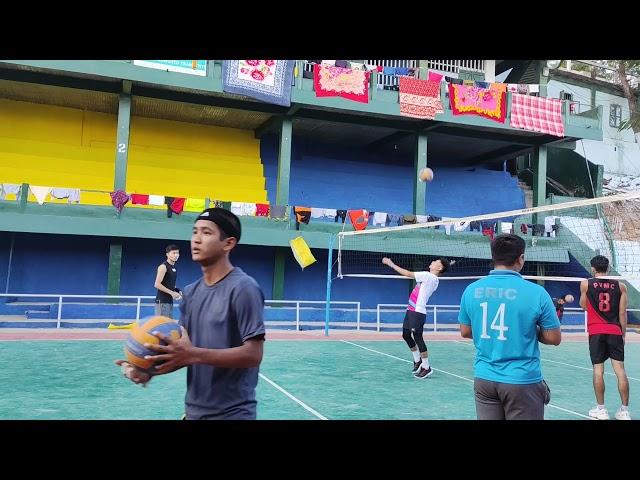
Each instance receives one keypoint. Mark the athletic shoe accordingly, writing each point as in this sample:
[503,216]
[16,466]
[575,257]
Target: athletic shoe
[623,415]
[424,372]
[416,366]
[599,413]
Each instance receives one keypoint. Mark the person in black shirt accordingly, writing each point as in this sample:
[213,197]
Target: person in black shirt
[559,304]
[165,283]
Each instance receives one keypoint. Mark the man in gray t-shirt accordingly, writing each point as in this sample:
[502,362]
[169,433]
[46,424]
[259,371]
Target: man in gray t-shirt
[223,328]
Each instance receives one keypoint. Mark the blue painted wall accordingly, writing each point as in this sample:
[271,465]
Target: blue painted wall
[326,177]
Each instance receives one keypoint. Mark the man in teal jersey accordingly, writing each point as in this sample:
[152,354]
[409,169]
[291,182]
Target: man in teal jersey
[506,316]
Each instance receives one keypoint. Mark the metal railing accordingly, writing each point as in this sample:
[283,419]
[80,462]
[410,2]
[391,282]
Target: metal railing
[300,305]
[138,302]
[297,303]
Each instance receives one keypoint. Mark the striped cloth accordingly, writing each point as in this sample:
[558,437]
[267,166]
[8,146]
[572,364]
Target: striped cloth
[537,114]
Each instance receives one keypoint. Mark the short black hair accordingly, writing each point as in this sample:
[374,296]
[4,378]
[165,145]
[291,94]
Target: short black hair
[227,222]
[506,248]
[171,248]
[600,263]
[445,264]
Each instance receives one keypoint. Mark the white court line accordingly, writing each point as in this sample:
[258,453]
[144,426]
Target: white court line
[563,363]
[299,402]
[457,376]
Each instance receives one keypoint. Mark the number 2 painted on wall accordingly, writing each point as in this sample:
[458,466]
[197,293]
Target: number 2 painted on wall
[122,148]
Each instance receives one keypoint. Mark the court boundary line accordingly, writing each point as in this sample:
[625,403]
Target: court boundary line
[458,376]
[564,363]
[292,397]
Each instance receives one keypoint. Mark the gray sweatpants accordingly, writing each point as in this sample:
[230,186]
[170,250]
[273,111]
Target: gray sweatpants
[164,309]
[506,401]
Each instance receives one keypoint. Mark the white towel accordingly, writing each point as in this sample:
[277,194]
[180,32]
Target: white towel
[40,193]
[8,188]
[534,88]
[460,226]
[317,212]
[507,227]
[156,200]
[549,222]
[330,212]
[72,194]
[249,209]
[422,218]
[236,208]
[380,218]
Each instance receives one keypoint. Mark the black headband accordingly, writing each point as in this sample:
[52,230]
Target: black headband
[222,218]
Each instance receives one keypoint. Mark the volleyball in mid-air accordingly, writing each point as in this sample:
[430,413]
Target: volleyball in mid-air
[426,175]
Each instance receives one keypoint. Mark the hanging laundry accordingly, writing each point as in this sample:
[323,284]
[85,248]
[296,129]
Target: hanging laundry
[72,194]
[303,215]
[537,114]
[342,64]
[328,63]
[419,98]
[394,218]
[409,219]
[460,226]
[139,199]
[302,252]
[249,209]
[168,201]
[435,77]
[549,222]
[455,81]
[341,82]
[278,211]
[156,200]
[422,218]
[512,87]
[317,212]
[500,87]
[40,193]
[119,199]
[11,188]
[402,71]
[177,206]
[262,209]
[488,232]
[380,218]
[523,228]
[468,83]
[236,208]
[194,205]
[534,88]
[485,102]
[506,227]
[359,219]
[480,84]
[341,214]
[523,89]
[330,212]
[389,71]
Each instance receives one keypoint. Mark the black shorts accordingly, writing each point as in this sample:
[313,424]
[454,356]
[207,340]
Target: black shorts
[603,346]
[413,321]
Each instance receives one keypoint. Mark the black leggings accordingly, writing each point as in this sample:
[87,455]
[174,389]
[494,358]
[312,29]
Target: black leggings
[414,338]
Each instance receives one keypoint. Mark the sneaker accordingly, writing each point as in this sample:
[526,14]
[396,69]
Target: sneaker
[424,372]
[416,366]
[599,414]
[623,415]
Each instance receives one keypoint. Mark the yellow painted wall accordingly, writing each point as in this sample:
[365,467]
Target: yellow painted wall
[67,147]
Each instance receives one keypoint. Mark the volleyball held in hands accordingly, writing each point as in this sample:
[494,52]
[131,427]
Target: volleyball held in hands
[426,175]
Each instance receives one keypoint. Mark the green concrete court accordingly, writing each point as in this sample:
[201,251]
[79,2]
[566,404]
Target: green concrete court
[303,380]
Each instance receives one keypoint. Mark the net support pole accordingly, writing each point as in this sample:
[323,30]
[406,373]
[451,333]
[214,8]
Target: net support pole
[327,307]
